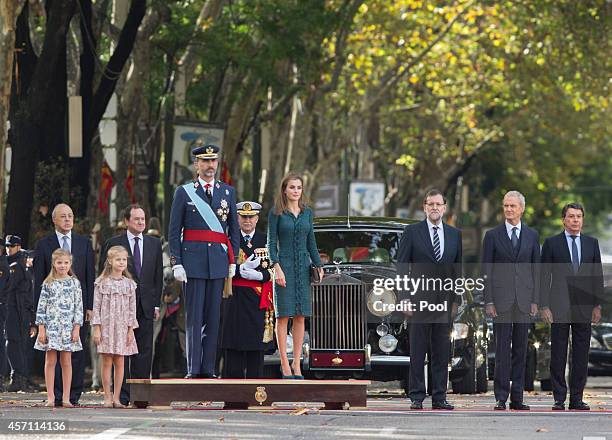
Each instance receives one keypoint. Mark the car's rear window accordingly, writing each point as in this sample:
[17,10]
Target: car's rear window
[358,246]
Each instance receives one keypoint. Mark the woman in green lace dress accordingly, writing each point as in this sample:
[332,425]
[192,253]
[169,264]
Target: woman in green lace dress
[292,248]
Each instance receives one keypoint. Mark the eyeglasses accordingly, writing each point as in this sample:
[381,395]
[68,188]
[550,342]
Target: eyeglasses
[435,205]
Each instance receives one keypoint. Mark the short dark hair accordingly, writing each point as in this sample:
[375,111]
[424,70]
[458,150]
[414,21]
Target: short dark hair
[127,212]
[572,205]
[432,193]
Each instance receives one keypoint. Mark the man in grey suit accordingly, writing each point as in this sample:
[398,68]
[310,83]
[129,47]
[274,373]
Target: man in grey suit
[510,257]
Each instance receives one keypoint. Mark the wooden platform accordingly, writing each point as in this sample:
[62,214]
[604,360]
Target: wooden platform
[242,393]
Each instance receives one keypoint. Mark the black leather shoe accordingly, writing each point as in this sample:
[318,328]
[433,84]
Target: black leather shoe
[579,406]
[208,376]
[558,406]
[75,403]
[500,405]
[416,405]
[58,403]
[519,406]
[189,376]
[442,404]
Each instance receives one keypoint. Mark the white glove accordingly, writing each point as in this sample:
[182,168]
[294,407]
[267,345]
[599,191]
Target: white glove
[250,274]
[231,271]
[251,263]
[179,273]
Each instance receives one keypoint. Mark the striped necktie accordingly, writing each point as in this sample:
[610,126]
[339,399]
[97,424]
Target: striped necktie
[436,243]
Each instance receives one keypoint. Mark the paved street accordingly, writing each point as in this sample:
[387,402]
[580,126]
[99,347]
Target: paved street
[387,416]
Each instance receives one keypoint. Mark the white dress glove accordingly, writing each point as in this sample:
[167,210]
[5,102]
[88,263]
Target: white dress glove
[179,273]
[252,262]
[231,271]
[250,274]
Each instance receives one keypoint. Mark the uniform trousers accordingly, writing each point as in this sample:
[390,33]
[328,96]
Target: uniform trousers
[16,342]
[202,317]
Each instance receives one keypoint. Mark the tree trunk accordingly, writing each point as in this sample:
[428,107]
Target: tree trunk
[39,118]
[9,11]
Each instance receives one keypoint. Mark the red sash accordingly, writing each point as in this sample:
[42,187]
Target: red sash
[263,290]
[209,236]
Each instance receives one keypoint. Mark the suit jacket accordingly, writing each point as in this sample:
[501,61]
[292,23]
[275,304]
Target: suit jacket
[150,281]
[83,265]
[201,259]
[416,258]
[511,276]
[243,320]
[571,297]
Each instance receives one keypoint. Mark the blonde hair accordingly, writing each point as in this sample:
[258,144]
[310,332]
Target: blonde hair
[281,203]
[57,254]
[108,268]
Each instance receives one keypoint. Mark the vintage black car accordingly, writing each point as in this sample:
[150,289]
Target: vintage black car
[600,353]
[348,337]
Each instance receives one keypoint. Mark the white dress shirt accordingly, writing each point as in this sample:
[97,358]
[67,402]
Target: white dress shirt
[509,230]
[60,239]
[131,240]
[430,226]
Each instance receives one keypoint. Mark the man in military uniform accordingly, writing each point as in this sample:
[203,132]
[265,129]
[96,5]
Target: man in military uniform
[203,236]
[20,315]
[247,313]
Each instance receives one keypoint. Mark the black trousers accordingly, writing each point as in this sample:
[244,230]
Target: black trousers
[138,366]
[581,337]
[3,360]
[238,364]
[78,370]
[17,342]
[422,335]
[510,330]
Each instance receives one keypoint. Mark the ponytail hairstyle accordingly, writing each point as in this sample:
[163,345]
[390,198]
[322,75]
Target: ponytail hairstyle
[112,253]
[58,253]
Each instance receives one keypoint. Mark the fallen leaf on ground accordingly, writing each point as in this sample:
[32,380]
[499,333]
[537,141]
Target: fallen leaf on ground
[541,430]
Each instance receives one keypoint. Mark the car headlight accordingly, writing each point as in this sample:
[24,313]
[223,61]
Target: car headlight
[289,344]
[378,303]
[460,330]
[595,343]
[387,343]
[382,329]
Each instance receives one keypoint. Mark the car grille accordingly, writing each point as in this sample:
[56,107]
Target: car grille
[339,319]
[607,339]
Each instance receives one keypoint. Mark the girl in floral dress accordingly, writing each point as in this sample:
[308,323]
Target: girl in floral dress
[59,317]
[114,320]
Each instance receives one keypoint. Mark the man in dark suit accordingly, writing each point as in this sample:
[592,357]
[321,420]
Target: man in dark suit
[431,249]
[247,313]
[146,267]
[203,238]
[510,258]
[572,288]
[83,266]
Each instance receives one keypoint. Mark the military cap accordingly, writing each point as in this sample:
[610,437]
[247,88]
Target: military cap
[12,240]
[248,209]
[208,151]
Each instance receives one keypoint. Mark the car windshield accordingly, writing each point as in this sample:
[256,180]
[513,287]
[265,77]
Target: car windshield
[358,246]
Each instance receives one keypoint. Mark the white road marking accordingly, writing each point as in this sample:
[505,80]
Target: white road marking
[110,434]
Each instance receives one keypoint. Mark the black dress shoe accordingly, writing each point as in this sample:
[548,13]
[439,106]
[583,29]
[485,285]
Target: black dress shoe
[189,376]
[58,403]
[519,406]
[75,403]
[558,406]
[416,405]
[208,376]
[442,404]
[579,406]
[500,405]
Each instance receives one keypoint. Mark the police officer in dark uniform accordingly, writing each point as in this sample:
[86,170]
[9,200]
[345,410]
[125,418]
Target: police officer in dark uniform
[247,313]
[203,238]
[20,314]
[4,275]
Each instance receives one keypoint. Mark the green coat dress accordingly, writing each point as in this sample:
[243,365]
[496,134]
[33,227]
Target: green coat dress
[291,243]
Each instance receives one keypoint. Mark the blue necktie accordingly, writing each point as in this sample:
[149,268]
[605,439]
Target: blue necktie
[65,244]
[575,259]
[436,243]
[247,238]
[514,238]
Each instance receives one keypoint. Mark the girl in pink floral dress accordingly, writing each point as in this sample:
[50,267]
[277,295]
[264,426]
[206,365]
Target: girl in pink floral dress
[114,320]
